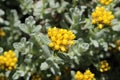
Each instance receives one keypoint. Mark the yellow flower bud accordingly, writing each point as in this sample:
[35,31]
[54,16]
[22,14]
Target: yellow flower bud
[93,21]
[53,38]
[64,42]
[57,47]
[71,42]
[63,49]
[58,42]
[51,44]
[100,26]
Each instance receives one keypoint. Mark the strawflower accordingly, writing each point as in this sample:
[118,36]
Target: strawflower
[60,38]
[100,17]
[105,2]
[87,75]
[104,66]
[8,60]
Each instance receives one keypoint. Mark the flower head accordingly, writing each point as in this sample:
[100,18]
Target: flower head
[87,75]
[105,2]
[60,38]
[104,66]
[8,60]
[79,75]
[100,17]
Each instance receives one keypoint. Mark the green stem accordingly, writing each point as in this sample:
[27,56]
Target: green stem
[74,3]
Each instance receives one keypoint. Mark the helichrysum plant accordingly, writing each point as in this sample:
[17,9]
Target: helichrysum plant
[84,45]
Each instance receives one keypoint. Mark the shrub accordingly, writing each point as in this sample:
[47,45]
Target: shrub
[59,39]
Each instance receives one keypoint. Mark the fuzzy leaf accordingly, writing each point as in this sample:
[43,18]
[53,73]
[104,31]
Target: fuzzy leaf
[95,43]
[116,27]
[46,50]
[37,28]
[1,50]
[24,28]
[1,12]
[30,21]
[44,66]
[83,47]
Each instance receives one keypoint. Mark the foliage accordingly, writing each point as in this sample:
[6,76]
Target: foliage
[24,29]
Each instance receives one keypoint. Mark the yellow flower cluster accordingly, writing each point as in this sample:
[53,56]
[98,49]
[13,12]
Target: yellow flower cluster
[60,38]
[36,77]
[8,60]
[2,33]
[104,66]
[102,17]
[87,75]
[105,2]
